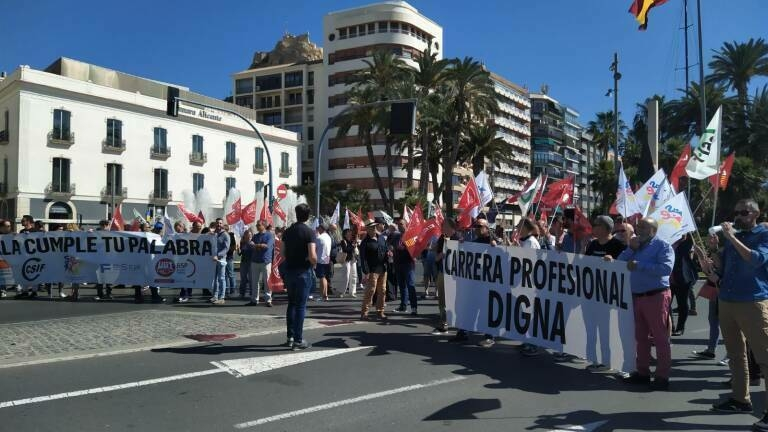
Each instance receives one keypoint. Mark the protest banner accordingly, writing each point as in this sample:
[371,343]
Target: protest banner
[275,280]
[112,257]
[577,304]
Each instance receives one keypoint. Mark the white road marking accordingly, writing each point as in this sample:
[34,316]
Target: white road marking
[238,368]
[589,427]
[136,384]
[340,403]
[249,366]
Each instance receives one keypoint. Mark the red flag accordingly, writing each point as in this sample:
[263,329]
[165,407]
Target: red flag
[135,224]
[641,8]
[614,210]
[559,193]
[235,212]
[581,227]
[191,217]
[265,215]
[543,215]
[279,211]
[117,224]
[370,216]
[249,213]
[360,222]
[724,175]
[200,217]
[679,169]
[469,199]
[413,231]
[439,218]
[275,281]
[353,218]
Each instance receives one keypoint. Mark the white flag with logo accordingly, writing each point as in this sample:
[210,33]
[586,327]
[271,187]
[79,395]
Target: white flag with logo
[704,158]
[527,196]
[346,219]
[644,195]
[484,189]
[664,193]
[675,219]
[625,198]
[406,214]
[335,216]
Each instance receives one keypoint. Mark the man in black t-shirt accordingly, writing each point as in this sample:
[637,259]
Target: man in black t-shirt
[604,242]
[298,244]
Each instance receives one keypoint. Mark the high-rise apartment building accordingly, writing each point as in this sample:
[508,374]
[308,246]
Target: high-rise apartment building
[352,36]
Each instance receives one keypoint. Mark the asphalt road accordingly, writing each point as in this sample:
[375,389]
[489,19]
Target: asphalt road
[402,378]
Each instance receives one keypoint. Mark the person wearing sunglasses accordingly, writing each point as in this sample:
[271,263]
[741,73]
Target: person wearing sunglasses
[743,302]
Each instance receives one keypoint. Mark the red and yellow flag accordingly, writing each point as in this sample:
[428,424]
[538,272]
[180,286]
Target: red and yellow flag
[721,178]
[641,8]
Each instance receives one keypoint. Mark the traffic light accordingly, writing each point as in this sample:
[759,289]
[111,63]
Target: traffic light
[402,120]
[172,108]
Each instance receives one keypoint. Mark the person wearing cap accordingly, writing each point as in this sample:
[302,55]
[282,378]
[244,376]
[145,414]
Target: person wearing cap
[322,270]
[604,245]
[649,260]
[373,260]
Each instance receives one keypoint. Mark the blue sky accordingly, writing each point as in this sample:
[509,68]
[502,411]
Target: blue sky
[565,44]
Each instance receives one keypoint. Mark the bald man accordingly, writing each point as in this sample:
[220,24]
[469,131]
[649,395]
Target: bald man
[650,261]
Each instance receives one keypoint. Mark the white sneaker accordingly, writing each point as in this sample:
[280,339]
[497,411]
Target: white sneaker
[62,295]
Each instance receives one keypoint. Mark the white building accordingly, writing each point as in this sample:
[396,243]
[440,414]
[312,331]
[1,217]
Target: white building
[76,136]
[352,36]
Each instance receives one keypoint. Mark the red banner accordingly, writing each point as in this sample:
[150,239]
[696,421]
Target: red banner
[279,211]
[721,178]
[581,228]
[191,217]
[236,212]
[559,193]
[265,215]
[274,280]
[469,199]
[413,231]
[117,224]
[249,213]
[679,169]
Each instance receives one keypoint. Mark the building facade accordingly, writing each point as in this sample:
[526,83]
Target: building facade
[77,138]
[351,37]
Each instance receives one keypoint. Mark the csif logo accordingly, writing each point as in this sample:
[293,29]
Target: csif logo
[32,269]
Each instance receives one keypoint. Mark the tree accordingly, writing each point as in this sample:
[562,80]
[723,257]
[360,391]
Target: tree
[330,194]
[603,129]
[481,144]
[758,127]
[604,182]
[735,64]
[685,112]
[473,97]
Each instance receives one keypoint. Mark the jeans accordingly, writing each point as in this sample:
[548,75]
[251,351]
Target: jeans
[714,325]
[652,319]
[229,273]
[297,284]
[245,277]
[681,293]
[220,281]
[406,282]
[260,275]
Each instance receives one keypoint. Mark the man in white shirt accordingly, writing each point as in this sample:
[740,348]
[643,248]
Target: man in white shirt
[323,268]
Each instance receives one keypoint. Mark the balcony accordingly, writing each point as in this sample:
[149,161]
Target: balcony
[58,139]
[120,194]
[113,146]
[160,197]
[198,158]
[4,137]
[159,153]
[3,189]
[259,169]
[60,191]
[232,164]
[286,172]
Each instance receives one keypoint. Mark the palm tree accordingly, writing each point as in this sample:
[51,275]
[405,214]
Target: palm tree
[603,129]
[685,113]
[603,180]
[481,144]
[734,65]
[758,127]
[428,77]
[473,98]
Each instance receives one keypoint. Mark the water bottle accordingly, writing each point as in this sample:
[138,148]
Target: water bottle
[715,229]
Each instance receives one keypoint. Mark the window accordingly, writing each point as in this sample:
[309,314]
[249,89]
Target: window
[310,78]
[198,182]
[311,133]
[231,157]
[114,132]
[361,29]
[294,99]
[60,178]
[274,118]
[259,158]
[259,187]
[244,85]
[342,33]
[197,144]
[353,31]
[310,97]
[294,79]
[284,162]
[394,27]
[61,129]
[5,134]
[371,28]
[383,26]
[161,141]
[114,179]
[310,151]
[231,183]
[269,82]
[161,183]
[294,128]
[244,101]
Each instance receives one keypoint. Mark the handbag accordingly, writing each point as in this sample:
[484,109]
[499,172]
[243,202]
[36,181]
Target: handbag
[708,290]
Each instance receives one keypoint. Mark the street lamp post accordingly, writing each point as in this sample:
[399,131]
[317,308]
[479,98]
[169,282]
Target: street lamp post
[331,123]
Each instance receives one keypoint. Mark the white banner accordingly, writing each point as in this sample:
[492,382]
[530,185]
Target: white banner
[113,257]
[576,304]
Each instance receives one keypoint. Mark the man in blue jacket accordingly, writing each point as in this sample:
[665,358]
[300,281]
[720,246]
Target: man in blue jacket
[743,302]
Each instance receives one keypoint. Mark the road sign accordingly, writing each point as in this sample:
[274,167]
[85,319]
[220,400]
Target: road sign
[282,191]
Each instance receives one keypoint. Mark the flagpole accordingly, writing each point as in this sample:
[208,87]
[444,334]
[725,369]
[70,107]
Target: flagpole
[543,186]
[704,199]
